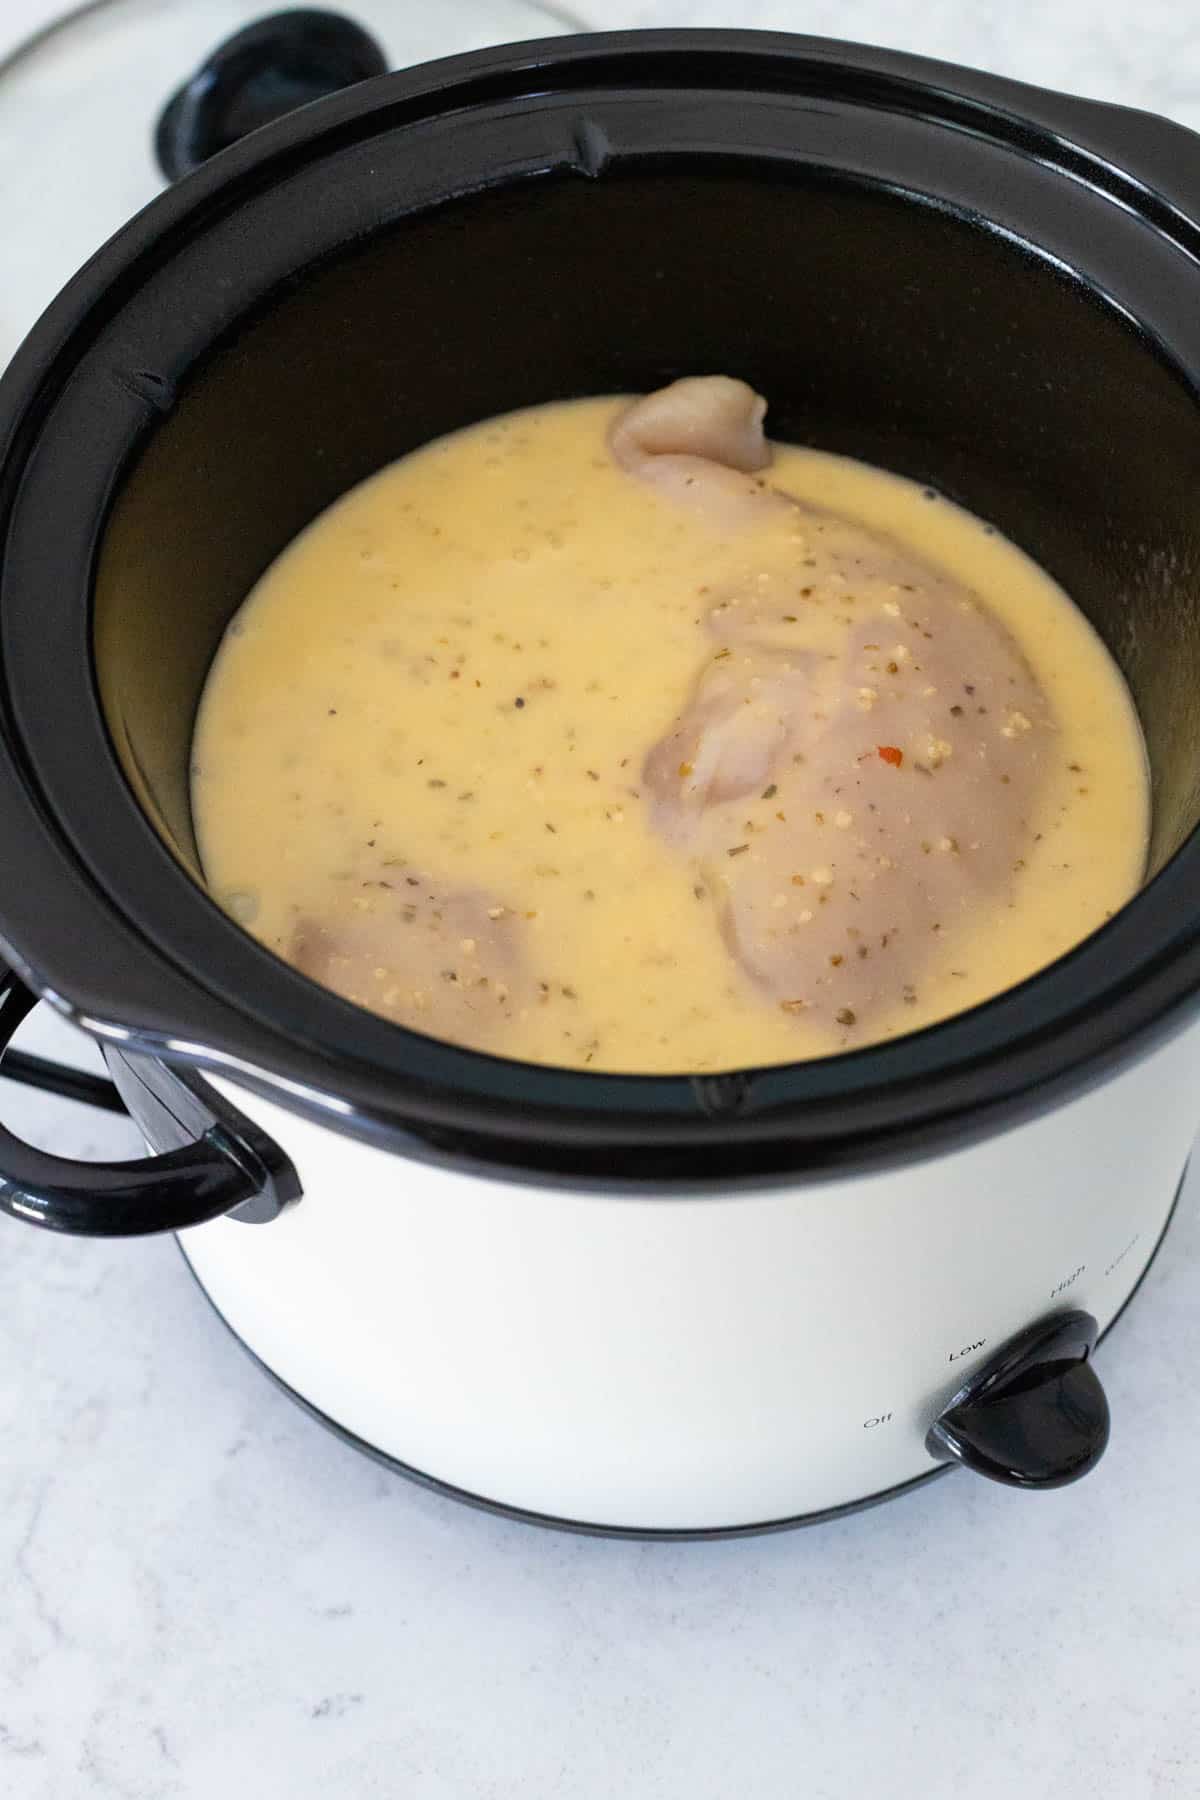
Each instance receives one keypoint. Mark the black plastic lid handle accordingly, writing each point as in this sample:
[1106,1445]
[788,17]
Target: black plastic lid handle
[184,1187]
[259,74]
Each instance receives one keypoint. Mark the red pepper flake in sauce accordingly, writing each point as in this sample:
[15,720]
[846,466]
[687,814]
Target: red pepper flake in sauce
[888,753]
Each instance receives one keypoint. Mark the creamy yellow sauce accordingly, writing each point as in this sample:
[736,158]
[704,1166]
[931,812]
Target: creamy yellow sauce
[460,667]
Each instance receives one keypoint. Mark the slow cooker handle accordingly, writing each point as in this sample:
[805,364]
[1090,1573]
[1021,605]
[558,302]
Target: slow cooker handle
[160,1193]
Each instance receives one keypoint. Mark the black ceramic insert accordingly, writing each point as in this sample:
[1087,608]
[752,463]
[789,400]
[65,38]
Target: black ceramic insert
[987,288]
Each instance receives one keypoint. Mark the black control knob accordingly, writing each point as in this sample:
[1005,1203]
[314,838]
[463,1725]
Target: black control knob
[1036,1415]
[259,74]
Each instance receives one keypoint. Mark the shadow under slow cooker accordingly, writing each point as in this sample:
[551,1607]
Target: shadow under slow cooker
[880,326]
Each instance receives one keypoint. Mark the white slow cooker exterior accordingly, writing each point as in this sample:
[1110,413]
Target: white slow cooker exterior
[697,1362]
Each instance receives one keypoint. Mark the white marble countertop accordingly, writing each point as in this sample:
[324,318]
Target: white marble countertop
[207,1597]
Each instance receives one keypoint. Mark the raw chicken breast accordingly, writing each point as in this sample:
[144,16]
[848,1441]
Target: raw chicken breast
[855,767]
[701,441]
[443,962]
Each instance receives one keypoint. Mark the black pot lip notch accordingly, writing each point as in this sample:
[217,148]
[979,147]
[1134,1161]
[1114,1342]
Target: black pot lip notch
[78,939]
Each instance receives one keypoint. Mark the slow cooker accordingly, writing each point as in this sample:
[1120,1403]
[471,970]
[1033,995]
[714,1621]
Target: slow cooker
[637,1304]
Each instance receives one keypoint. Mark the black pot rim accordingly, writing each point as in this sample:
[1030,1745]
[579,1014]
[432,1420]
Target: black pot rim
[216,999]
